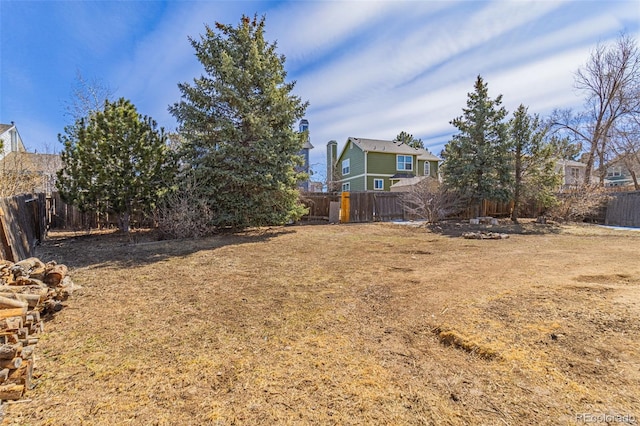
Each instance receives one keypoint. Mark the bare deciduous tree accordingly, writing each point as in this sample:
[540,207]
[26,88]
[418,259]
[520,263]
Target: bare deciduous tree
[17,175]
[626,145]
[611,82]
[87,96]
[430,200]
[577,203]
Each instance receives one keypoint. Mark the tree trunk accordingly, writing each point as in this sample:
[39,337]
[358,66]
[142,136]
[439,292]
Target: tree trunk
[518,184]
[589,168]
[516,205]
[124,220]
[635,180]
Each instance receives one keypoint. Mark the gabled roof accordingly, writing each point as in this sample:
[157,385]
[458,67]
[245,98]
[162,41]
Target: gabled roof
[409,181]
[31,161]
[5,127]
[391,147]
[625,159]
[571,163]
[7,139]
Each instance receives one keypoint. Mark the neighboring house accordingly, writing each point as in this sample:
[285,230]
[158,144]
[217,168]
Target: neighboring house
[304,153]
[375,165]
[332,168]
[22,171]
[316,186]
[405,185]
[573,172]
[11,140]
[620,172]
[28,172]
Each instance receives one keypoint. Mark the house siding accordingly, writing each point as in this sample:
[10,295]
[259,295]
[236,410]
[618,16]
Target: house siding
[376,159]
[372,176]
[381,163]
[356,167]
[565,167]
[11,141]
[433,168]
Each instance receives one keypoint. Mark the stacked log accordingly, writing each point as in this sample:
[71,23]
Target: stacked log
[29,291]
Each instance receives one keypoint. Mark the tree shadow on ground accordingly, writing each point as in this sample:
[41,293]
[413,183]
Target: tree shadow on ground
[82,249]
[456,228]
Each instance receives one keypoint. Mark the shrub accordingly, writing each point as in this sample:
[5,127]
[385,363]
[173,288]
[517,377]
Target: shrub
[430,200]
[184,214]
[578,202]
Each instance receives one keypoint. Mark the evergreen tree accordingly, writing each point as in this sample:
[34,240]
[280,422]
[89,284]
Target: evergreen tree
[115,160]
[535,176]
[564,149]
[408,138]
[237,120]
[477,161]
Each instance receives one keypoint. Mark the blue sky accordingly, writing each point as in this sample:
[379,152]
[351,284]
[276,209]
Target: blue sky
[369,69]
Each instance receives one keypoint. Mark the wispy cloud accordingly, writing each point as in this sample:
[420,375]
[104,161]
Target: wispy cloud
[368,68]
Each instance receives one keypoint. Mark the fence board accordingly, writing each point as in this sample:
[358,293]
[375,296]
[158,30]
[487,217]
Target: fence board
[65,216]
[624,209]
[375,206]
[319,204]
[388,206]
[22,225]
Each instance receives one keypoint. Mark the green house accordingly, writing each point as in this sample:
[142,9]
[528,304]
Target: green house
[375,165]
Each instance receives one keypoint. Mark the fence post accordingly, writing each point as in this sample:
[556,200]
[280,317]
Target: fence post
[4,240]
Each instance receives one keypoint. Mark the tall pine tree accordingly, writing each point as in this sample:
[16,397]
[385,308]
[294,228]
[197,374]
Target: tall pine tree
[408,138]
[237,120]
[116,161]
[477,160]
[535,177]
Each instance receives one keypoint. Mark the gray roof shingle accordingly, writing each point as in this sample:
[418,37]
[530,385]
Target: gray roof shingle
[393,147]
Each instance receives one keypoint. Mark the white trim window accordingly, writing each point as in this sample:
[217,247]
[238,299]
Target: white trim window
[346,166]
[378,184]
[575,173]
[346,187]
[404,162]
[427,168]
[614,172]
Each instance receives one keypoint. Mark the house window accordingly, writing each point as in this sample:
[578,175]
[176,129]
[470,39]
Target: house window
[378,184]
[404,162]
[615,172]
[346,167]
[575,173]
[427,168]
[346,187]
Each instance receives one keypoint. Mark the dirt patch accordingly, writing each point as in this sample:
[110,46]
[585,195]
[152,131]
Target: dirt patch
[609,279]
[335,325]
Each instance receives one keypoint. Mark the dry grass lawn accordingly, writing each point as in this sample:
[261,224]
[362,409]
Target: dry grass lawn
[343,324]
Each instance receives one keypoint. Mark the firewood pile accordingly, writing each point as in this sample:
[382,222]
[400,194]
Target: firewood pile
[29,291]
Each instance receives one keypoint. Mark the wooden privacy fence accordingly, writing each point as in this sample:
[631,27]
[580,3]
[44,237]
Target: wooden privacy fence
[319,204]
[367,206]
[22,225]
[61,215]
[371,206]
[374,206]
[623,209]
